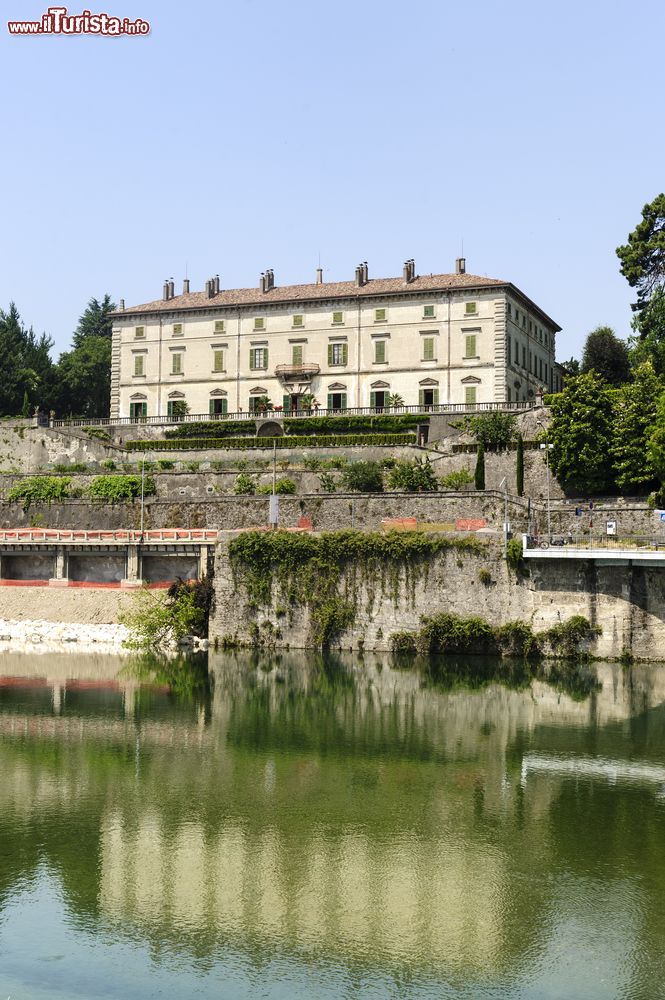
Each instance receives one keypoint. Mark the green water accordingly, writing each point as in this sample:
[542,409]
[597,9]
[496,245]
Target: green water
[329,829]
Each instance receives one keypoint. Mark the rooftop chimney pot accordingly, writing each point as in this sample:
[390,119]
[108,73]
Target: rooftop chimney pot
[319,275]
[165,291]
[185,287]
[460,265]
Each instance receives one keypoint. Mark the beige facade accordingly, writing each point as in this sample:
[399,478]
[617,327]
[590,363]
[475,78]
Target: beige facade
[429,340]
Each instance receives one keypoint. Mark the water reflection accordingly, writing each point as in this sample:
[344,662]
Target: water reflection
[444,830]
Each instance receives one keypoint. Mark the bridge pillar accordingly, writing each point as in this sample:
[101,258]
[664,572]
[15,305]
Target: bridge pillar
[133,576]
[203,561]
[60,578]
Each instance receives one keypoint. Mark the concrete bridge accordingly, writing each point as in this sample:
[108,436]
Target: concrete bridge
[62,558]
[606,550]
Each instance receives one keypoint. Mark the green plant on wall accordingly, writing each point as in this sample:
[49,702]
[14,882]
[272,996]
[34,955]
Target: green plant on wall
[40,489]
[413,477]
[307,569]
[457,480]
[120,489]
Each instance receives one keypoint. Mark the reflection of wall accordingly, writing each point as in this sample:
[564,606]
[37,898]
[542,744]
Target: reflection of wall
[417,901]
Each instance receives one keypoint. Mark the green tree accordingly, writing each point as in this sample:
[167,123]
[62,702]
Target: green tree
[634,424]
[519,470]
[479,477]
[25,363]
[606,354]
[494,429]
[643,256]
[363,477]
[656,448]
[581,434]
[96,321]
[649,326]
[84,376]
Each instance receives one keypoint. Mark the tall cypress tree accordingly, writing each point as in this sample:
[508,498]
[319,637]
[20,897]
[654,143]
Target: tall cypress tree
[480,467]
[519,471]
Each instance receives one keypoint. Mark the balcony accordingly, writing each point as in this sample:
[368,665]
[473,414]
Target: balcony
[296,373]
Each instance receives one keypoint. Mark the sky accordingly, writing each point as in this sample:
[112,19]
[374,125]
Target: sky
[238,137]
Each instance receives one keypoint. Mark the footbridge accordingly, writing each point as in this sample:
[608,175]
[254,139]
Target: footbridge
[606,550]
[125,558]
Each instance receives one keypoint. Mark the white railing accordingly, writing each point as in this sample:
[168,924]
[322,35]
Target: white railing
[279,414]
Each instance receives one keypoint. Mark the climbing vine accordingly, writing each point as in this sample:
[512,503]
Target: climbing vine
[309,569]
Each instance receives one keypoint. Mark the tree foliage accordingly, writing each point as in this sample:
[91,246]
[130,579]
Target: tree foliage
[413,477]
[494,430]
[581,434]
[363,477]
[635,418]
[607,355]
[643,256]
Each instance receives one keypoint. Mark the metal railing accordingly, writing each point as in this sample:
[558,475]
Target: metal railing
[278,413]
[617,543]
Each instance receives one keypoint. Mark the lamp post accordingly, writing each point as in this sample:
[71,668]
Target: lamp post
[504,483]
[142,492]
[547,447]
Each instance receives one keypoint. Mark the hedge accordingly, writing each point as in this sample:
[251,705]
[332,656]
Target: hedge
[213,429]
[245,444]
[352,424]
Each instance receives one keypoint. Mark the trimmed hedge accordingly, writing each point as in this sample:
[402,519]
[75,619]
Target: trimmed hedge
[247,443]
[213,429]
[307,426]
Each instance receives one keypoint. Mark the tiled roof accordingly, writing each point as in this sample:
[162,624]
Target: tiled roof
[231,297]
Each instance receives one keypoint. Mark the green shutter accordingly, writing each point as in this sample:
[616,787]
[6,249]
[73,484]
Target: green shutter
[296,353]
[380,351]
[251,360]
[470,346]
[372,399]
[330,355]
[342,400]
[330,401]
[470,394]
[286,404]
[211,408]
[265,357]
[421,397]
[345,354]
[435,397]
[225,406]
[428,349]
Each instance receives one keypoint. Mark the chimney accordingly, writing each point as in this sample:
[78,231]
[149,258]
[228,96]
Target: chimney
[165,292]
[460,265]
[217,284]
[409,270]
[262,282]
[171,289]
[122,305]
[185,287]
[319,275]
[270,279]
[359,275]
[210,288]
[365,273]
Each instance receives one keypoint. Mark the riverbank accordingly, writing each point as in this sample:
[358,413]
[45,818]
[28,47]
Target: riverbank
[40,620]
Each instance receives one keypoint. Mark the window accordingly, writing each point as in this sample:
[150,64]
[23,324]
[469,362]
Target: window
[510,309]
[470,346]
[176,363]
[516,357]
[296,354]
[428,312]
[338,318]
[138,410]
[177,408]
[428,349]
[336,400]
[380,352]
[428,397]
[470,307]
[219,407]
[470,395]
[218,361]
[219,326]
[298,320]
[139,332]
[139,367]
[258,358]
[338,354]
[177,329]
[259,323]
[523,357]
[379,315]
[509,350]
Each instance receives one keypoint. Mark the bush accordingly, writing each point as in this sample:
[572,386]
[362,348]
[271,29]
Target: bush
[313,464]
[492,430]
[283,487]
[72,467]
[327,482]
[363,477]
[515,554]
[120,489]
[457,480]
[109,464]
[165,464]
[244,485]
[213,429]
[97,432]
[413,477]
[485,577]
[247,443]
[353,424]
[40,489]
[157,623]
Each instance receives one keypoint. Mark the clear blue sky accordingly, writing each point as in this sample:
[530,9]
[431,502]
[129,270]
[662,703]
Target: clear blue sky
[243,136]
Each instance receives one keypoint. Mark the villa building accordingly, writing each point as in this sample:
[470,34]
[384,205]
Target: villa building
[419,339]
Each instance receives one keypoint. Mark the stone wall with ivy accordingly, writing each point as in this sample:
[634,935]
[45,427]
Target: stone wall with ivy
[355,591]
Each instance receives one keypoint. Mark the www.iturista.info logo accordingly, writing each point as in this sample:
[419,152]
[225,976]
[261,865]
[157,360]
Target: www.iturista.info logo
[56,21]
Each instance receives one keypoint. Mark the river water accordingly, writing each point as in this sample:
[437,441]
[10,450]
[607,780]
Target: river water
[329,828]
